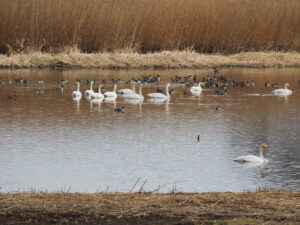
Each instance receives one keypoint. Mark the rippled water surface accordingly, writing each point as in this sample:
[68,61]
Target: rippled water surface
[50,142]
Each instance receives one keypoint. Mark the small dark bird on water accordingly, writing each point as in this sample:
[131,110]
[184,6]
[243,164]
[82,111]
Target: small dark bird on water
[218,108]
[121,110]
[198,137]
[12,97]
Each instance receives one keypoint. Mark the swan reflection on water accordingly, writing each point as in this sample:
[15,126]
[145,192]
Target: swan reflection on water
[255,164]
[77,102]
[160,101]
[135,102]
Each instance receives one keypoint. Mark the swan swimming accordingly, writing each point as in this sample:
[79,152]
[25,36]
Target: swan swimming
[254,159]
[135,95]
[77,93]
[111,94]
[87,93]
[160,95]
[197,88]
[97,95]
[283,91]
[127,91]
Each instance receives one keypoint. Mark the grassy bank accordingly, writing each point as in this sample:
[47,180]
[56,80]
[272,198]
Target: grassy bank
[73,58]
[226,26]
[262,207]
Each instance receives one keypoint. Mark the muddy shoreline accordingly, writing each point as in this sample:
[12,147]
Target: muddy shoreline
[260,207]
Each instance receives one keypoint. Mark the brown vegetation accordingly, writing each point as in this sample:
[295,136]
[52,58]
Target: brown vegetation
[225,26]
[262,207]
[73,58]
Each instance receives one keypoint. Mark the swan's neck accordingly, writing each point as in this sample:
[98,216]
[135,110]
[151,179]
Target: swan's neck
[199,84]
[261,155]
[92,85]
[133,88]
[140,91]
[99,88]
[78,86]
[285,86]
[167,91]
[115,88]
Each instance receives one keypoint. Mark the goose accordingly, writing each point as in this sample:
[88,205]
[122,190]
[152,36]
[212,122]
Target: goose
[98,94]
[135,95]
[111,94]
[160,95]
[127,91]
[87,93]
[254,159]
[197,88]
[283,91]
[77,94]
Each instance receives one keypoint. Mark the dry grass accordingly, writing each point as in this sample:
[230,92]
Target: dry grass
[162,60]
[226,26]
[262,207]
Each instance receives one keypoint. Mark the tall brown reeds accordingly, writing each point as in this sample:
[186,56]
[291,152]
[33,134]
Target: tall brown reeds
[225,26]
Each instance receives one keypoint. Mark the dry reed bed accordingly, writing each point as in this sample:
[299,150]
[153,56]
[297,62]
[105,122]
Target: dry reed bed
[161,60]
[262,207]
[227,26]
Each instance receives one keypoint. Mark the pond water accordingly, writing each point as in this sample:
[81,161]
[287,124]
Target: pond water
[48,142]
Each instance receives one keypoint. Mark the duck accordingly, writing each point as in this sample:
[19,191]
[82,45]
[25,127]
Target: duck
[12,97]
[197,88]
[160,95]
[60,88]
[89,92]
[254,159]
[97,95]
[135,95]
[121,110]
[283,91]
[77,93]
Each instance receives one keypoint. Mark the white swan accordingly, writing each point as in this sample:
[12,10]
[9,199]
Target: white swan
[254,159]
[160,95]
[77,94]
[111,94]
[135,95]
[283,91]
[87,93]
[197,88]
[97,95]
[127,91]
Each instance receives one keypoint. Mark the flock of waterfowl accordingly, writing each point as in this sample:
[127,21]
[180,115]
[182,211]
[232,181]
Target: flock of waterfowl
[194,87]
[220,83]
